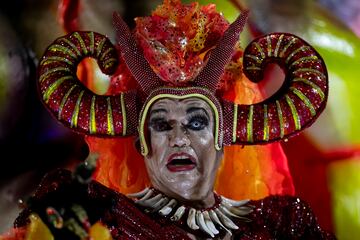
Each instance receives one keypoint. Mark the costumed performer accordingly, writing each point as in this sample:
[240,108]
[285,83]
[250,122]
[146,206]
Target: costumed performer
[182,125]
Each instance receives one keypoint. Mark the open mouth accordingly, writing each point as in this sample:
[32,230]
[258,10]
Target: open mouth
[180,162]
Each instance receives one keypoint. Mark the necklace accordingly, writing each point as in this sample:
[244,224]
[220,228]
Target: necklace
[206,220]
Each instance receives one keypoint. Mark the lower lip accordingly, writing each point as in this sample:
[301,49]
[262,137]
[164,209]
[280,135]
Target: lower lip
[181,168]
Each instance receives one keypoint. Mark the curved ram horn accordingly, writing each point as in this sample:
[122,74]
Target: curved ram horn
[70,101]
[297,103]
[134,57]
[210,75]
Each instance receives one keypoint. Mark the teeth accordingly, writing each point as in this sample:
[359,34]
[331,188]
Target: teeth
[145,197]
[239,211]
[225,220]
[178,214]
[191,219]
[209,223]
[166,210]
[235,203]
[150,202]
[157,206]
[180,158]
[138,194]
[200,220]
[229,213]
[215,218]
[206,221]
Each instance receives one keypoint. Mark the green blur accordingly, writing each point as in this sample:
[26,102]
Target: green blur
[345,188]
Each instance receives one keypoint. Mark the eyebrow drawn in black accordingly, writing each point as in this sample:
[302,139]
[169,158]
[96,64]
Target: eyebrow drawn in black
[195,109]
[160,110]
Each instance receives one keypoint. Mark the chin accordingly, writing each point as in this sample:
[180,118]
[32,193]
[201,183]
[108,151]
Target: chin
[186,185]
[187,190]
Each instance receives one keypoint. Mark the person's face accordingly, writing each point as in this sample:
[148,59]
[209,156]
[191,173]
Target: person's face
[183,160]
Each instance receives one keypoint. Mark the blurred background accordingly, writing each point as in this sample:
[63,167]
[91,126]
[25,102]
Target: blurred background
[324,161]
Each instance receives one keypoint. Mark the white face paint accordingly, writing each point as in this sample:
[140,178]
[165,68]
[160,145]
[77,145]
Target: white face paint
[183,160]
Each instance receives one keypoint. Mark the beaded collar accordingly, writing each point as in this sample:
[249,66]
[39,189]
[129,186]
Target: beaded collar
[208,220]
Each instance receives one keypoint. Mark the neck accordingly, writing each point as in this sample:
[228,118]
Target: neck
[200,202]
[203,219]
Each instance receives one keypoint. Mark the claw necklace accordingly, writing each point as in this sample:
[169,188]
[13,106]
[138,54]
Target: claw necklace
[209,221]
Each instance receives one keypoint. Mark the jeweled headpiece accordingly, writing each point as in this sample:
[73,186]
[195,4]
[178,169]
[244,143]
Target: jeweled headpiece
[295,106]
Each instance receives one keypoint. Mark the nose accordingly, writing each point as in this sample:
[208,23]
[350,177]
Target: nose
[178,137]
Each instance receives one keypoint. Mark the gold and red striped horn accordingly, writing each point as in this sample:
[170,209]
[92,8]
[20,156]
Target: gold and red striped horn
[297,103]
[70,101]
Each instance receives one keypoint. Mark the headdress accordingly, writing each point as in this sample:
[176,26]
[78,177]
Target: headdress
[291,109]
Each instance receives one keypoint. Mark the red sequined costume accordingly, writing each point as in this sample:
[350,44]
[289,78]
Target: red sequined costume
[275,217]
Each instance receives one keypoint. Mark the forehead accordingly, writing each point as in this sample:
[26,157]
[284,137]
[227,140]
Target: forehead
[162,103]
[170,104]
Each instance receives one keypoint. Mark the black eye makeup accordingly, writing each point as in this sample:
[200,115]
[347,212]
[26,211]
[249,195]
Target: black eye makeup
[158,121]
[197,120]
[159,124]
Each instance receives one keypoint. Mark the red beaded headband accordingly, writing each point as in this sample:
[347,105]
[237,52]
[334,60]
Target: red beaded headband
[294,107]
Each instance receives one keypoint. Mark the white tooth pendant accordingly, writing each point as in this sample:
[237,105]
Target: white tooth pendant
[167,209]
[178,214]
[138,194]
[227,212]
[230,214]
[238,211]
[191,219]
[235,203]
[201,222]
[151,201]
[161,203]
[145,197]
[216,219]
[209,223]
[225,220]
